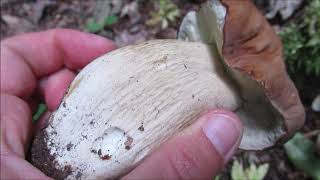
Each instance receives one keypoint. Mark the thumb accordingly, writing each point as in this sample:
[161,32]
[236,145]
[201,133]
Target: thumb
[198,152]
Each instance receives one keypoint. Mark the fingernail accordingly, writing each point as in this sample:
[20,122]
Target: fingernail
[223,133]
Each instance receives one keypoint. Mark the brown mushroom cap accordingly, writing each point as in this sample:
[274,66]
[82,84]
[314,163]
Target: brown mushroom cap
[252,53]
[251,46]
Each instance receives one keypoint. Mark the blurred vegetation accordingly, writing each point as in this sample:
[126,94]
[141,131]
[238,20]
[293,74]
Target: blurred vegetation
[301,42]
[166,12]
[94,27]
[302,154]
[301,39]
[253,172]
[40,111]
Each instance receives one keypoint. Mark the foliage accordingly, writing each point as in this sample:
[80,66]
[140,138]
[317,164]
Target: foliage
[94,27]
[41,109]
[301,152]
[216,178]
[167,12]
[252,173]
[301,41]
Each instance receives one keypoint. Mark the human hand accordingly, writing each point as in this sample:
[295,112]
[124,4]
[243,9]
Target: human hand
[44,64]
[34,65]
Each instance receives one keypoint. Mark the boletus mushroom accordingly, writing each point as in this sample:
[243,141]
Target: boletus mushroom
[123,105]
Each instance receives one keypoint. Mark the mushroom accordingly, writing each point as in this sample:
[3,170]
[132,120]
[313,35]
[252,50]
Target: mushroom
[316,104]
[123,105]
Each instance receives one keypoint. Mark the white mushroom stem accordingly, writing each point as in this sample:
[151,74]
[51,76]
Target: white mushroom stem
[126,103]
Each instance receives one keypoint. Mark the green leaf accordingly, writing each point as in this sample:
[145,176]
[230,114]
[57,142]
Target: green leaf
[301,152]
[173,14]
[166,12]
[216,178]
[94,27]
[314,41]
[110,20]
[262,171]
[237,172]
[251,173]
[301,41]
[257,173]
[41,109]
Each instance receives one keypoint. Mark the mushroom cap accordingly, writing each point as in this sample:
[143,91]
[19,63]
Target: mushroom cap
[256,51]
[250,48]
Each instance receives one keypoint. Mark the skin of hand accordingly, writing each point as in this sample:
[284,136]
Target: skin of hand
[42,65]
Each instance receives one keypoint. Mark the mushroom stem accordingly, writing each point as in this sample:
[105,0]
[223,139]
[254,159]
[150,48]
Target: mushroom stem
[125,104]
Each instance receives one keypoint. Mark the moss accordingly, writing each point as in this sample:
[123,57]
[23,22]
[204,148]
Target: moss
[301,40]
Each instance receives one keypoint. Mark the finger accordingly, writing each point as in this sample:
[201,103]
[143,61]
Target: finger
[48,51]
[55,86]
[28,57]
[15,138]
[15,125]
[199,152]
[13,167]
[16,76]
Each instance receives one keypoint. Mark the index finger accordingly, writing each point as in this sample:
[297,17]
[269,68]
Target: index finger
[28,57]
